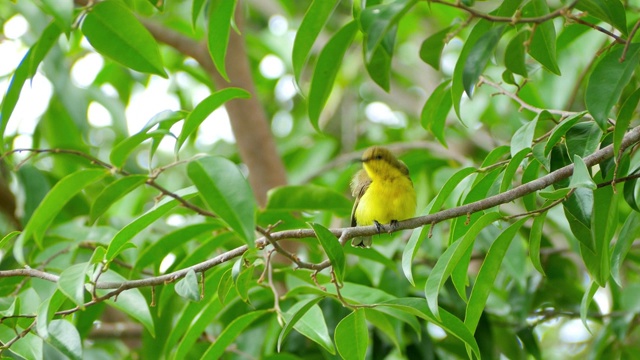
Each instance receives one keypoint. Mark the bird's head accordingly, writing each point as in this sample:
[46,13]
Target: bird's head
[380,163]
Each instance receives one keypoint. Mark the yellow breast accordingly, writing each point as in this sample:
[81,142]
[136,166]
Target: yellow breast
[386,200]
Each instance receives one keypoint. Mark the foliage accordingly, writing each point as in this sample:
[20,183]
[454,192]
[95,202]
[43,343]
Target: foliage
[517,120]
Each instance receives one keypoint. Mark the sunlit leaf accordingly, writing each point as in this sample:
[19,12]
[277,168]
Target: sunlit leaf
[219,28]
[352,336]
[479,57]
[231,332]
[188,287]
[333,248]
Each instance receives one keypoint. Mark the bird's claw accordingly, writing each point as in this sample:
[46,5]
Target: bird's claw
[379,226]
[393,225]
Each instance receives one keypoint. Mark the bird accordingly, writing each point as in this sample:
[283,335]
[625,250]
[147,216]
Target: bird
[383,192]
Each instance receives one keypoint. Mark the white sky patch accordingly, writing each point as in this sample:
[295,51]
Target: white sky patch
[15,27]
[23,142]
[149,101]
[85,70]
[12,53]
[176,220]
[603,300]
[98,115]
[216,126]
[286,88]
[34,99]
[573,331]
[271,67]
[379,112]
[167,262]
[278,25]
[282,123]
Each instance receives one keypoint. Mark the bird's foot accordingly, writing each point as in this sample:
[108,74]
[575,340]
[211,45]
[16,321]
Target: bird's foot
[393,226]
[379,226]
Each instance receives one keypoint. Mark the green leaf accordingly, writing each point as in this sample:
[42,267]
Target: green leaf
[385,324]
[608,79]
[529,174]
[7,238]
[227,193]
[46,312]
[514,55]
[326,70]
[294,314]
[188,287]
[378,20]
[196,8]
[583,139]
[510,170]
[450,323]
[124,148]
[65,337]
[487,275]
[333,248]
[71,283]
[124,236]
[523,137]
[131,302]
[26,69]
[431,48]
[623,120]
[479,56]
[115,32]
[535,238]
[224,286]
[604,221]
[630,191]
[114,192]
[628,234]
[60,194]
[231,332]
[312,24]
[244,281]
[609,11]
[434,113]
[410,251]
[560,130]
[378,65]
[312,325]
[352,336]
[586,303]
[205,108]
[62,11]
[308,198]
[450,258]
[220,20]
[154,253]
[449,186]
[581,176]
[543,42]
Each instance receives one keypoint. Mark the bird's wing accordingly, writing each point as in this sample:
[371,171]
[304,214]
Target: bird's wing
[359,186]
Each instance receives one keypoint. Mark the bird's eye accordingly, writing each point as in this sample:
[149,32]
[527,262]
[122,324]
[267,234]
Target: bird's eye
[379,157]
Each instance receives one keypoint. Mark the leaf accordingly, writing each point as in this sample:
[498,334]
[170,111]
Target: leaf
[560,130]
[535,237]
[431,48]
[608,79]
[231,332]
[352,336]
[529,174]
[114,192]
[450,258]
[307,198]
[434,113]
[378,20]
[227,193]
[604,221]
[154,253]
[333,248]
[122,237]
[312,325]
[124,148]
[514,55]
[623,120]
[71,283]
[205,108]
[629,232]
[5,240]
[188,287]
[46,312]
[115,32]
[410,251]
[312,24]
[450,323]
[60,194]
[378,64]
[523,137]
[510,170]
[130,301]
[581,176]
[62,11]
[543,41]
[26,69]
[220,21]
[479,57]
[609,11]
[244,282]
[586,303]
[294,314]
[326,70]
[196,8]
[449,186]
[583,139]
[65,337]
[487,275]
